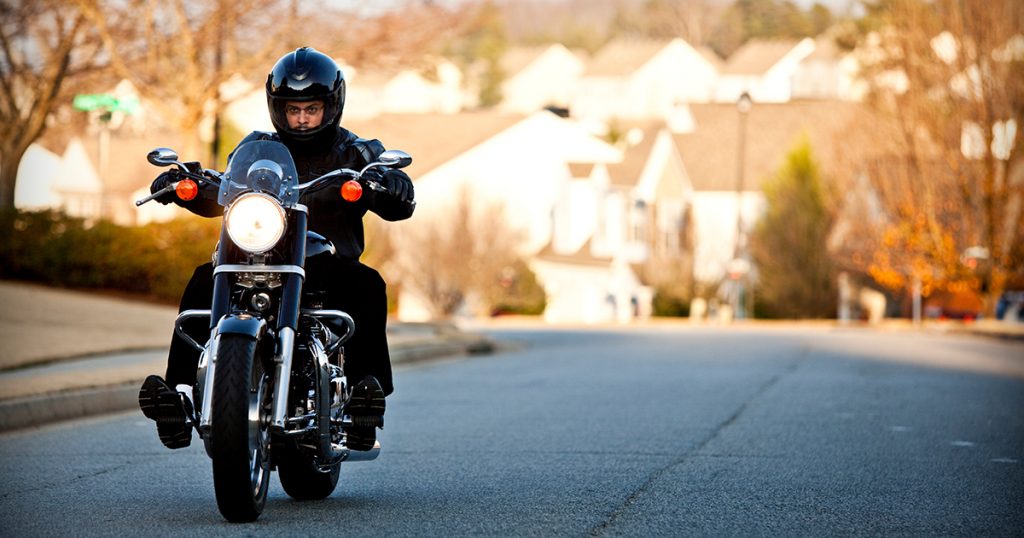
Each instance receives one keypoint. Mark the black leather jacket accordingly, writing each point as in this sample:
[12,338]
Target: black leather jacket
[329,215]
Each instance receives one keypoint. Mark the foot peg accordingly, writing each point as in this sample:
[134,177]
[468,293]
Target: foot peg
[368,422]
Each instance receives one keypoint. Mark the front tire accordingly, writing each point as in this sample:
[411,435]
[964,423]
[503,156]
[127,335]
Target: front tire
[301,479]
[239,436]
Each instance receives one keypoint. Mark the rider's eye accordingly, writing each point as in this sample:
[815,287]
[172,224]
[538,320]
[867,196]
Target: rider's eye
[310,110]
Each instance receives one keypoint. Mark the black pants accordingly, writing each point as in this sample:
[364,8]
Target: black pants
[351,287]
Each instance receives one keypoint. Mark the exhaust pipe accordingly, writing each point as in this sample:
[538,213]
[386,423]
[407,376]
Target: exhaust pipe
[345,454]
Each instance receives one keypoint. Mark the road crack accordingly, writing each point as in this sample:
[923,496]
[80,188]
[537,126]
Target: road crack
[633,497]
[65,482]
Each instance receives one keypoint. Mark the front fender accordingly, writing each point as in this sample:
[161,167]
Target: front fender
[242,324]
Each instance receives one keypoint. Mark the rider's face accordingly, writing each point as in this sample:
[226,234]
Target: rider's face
[304,115]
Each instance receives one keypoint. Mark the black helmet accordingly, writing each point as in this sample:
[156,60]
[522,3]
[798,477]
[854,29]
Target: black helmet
[305,75]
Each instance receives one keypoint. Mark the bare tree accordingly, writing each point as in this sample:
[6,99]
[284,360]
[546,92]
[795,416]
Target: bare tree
[400,37]
[691,20]
[177,54]
[45,44]
[948,74]
[451,256]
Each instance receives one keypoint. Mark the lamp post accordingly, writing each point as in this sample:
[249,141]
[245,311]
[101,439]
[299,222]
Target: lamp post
[743,106]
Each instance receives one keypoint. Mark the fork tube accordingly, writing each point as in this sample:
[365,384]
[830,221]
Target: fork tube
[221,285]
[206,411]
[283,377]
[291,294]
[288,320]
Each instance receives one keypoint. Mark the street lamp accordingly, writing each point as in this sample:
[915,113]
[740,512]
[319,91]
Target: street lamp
[743,106]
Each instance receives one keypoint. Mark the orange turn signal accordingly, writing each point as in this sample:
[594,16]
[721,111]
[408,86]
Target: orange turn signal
[351,190]
[186,189]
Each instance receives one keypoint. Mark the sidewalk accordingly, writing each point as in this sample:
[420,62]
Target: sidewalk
[69,354]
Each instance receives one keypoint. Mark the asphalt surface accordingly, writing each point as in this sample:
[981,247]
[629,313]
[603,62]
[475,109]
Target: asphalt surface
[669,432]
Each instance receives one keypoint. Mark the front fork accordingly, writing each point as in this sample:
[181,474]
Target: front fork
[208,370]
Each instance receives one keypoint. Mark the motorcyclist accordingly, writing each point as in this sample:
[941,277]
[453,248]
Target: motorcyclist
[306,95]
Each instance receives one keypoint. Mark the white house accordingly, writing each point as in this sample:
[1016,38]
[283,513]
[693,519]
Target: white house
[526,163]
[46,181]
[828,73]
[764,69]
[618,232]
[436,89]
[632,79]
[537,77]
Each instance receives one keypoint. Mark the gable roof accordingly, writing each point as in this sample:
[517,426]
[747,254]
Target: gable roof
[710,151]
[432,139]
[519,58]
[582,256]
[825,50]
[581,170]
[712,57]
[757,56]
[622,57]
[634,159]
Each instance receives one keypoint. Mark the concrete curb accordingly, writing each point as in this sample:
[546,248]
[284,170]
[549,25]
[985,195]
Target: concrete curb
[20,413]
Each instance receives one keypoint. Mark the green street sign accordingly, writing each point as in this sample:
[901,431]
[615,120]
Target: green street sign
[106,102]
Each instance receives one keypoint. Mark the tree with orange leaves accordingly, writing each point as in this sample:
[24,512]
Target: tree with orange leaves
[950,176]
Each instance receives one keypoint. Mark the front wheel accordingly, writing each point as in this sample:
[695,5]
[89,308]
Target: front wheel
[239,436]
[302,479]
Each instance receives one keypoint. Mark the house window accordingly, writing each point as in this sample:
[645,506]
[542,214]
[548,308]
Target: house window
[639,222]
[670,226]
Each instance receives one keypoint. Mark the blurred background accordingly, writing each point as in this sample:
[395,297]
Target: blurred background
[586,161]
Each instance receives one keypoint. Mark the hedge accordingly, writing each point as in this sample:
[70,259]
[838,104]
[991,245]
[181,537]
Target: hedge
[155,260]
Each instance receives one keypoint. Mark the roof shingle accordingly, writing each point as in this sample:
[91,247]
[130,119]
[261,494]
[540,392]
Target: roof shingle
[711,150]
[432,139]
[623,57]
[757,56]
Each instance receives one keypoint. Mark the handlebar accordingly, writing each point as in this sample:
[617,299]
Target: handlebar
[207,175]
[373,185]
[166,157]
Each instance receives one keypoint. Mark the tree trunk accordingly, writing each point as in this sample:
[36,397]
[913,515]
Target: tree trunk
[9,162]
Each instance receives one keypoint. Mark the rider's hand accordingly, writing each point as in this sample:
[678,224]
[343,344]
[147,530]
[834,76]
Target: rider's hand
[398,185]
[162,181]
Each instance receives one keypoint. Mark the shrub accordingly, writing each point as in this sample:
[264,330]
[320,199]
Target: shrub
[155,260]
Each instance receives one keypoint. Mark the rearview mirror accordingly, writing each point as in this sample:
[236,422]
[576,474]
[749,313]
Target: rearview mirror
[395,158]
[162,157]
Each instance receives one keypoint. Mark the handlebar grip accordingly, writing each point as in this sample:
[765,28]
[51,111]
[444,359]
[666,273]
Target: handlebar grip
[156,194]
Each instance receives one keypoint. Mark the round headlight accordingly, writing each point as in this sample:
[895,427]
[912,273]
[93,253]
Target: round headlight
[255,222]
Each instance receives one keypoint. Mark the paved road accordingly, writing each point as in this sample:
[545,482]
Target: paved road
[664,432]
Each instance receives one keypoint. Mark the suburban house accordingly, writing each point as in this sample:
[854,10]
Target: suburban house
[620,232]
[765,69]
[711,157]
[828,73]
[538,77]
[639,79]
[435,89]
[592,214]
[48,181]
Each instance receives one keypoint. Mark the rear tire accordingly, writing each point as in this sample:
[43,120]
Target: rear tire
[301,479]
[239,436]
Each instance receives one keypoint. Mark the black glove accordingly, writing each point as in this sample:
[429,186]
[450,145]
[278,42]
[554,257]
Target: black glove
[161,182]
[398,185]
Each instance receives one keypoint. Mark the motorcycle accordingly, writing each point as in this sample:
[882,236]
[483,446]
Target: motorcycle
[270,390]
